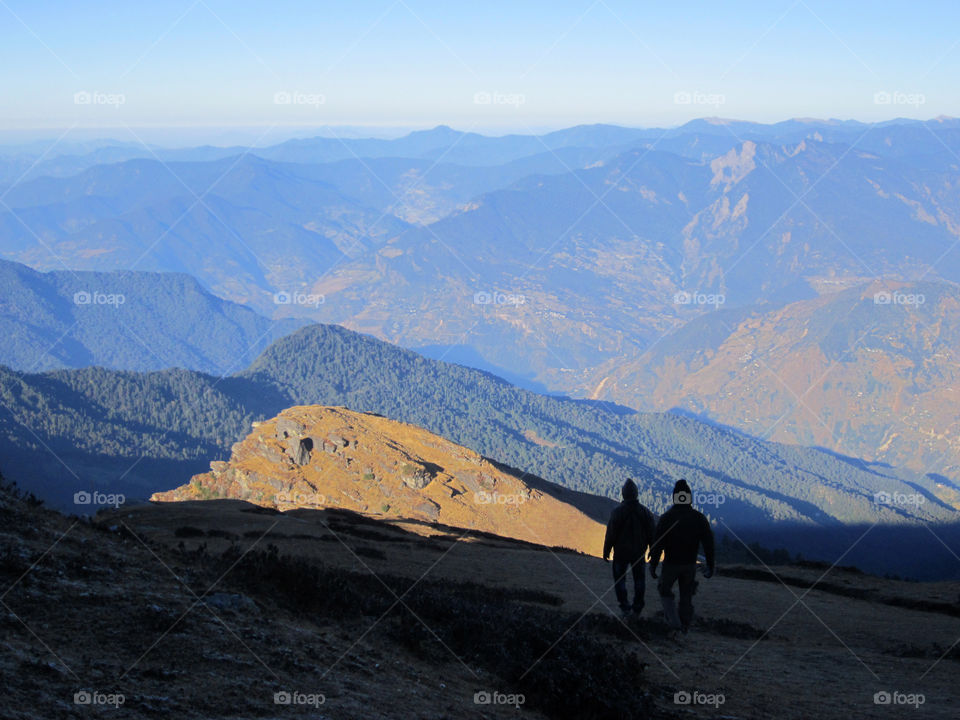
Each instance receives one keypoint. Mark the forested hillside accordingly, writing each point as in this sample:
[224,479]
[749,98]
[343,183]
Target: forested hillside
[140,432]
[125,320]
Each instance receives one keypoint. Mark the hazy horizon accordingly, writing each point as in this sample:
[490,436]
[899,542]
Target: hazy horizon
[216,67]
[173,136]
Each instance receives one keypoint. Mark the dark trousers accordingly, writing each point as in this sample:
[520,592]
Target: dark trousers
[620,568]
[685,576]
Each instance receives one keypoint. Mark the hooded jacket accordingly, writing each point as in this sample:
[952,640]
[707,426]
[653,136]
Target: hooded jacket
[630,530]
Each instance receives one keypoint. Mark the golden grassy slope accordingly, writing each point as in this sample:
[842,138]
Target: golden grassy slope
[316,456]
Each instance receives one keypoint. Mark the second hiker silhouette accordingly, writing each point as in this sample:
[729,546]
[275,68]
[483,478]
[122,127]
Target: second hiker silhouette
[679,534]
[629,534]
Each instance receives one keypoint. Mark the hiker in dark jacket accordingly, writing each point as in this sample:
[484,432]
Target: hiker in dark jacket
[679,534]
[629,534]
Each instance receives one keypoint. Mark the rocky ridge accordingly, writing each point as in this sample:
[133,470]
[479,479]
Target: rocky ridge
[318,457]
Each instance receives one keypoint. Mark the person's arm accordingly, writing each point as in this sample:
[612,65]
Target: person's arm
[706,537]
[648,529]
[657,547]
[613,529]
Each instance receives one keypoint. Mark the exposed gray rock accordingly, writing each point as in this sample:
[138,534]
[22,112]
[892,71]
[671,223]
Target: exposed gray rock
[274,483]
[299,449]
[270,453]
[429,509]
[287,427]
[470,480]
[417,479]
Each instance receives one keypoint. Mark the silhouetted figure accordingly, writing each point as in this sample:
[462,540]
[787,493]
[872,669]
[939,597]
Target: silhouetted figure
[629,534]
[680,532]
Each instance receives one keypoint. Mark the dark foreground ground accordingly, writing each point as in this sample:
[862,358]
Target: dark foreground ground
[219,609]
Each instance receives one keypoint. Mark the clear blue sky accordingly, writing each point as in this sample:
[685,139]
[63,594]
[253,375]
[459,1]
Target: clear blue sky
[214,63]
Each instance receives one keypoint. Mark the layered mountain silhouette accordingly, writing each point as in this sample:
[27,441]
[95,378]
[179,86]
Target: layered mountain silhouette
[601,255]
[753,211]
[707,269]
[138,433]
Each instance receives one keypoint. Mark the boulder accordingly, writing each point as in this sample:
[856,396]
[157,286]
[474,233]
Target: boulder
[417,479]
[470,480]
[267,452]
[428,509]
[288,427]
[299,449]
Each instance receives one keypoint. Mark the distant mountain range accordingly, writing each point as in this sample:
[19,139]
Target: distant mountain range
[726,269]
[598,229]
[698,139]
